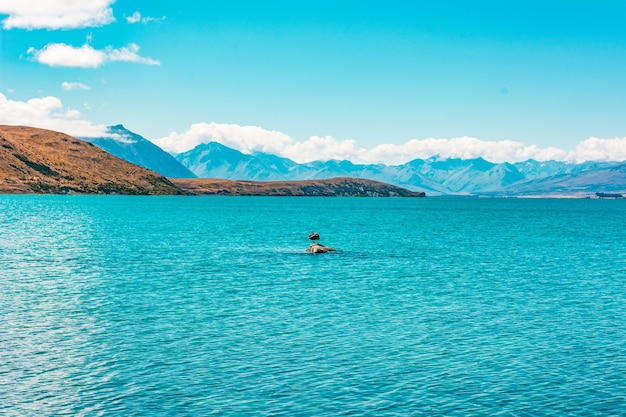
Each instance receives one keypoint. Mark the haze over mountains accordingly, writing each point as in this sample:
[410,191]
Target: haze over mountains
[433,175]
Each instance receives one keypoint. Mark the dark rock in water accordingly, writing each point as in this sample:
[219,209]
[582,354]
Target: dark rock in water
[314,236]
[317,248]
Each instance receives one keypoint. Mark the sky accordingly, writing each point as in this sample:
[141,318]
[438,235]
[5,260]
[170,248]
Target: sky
[375,82]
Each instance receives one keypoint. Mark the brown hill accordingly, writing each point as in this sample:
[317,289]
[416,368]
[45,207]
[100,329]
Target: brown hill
[354,187]
[35,160]
[42,161]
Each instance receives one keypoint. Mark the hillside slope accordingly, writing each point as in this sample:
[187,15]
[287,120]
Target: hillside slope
[434,175]
[610,179]
[334,187]
[35,160]
[140,151]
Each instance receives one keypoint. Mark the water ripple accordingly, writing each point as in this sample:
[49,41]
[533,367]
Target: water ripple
[176,306]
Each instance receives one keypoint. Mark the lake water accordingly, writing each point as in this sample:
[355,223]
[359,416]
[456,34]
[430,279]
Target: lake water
[190,306]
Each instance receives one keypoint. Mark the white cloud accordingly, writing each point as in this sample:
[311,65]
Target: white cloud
[324,148]
[57,14]
[48,113]
[134,18]
[595,149]
[68,86]
[244,138]
[137,18]
[462,148]
[129,54]
[123,138]
[249,139]
[63,55]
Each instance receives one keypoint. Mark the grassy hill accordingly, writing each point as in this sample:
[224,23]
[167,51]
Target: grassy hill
[353,187]
[42,161]
[36,160]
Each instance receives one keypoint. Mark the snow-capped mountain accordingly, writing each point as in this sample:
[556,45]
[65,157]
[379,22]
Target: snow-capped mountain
[136,149]
[433,175]
[214,160]
[605,177]
[532,169]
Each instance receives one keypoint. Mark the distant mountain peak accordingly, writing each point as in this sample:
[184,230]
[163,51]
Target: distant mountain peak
[44,161]
[436,175]
[138,150]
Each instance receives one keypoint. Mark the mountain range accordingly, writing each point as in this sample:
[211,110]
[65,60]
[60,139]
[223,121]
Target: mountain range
[435,176]
[40,161]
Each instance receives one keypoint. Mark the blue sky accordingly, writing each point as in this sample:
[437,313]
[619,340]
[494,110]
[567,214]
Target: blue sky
[381,81]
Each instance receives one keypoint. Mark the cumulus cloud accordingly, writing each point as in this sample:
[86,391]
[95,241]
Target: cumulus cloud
[63,55]
[595,149]
[138,18]
[249,139]
[462,148]
[324,148]
[48,113]
[68,86]
[57,14]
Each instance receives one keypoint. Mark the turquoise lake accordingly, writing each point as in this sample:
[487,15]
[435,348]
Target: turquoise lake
[193,306]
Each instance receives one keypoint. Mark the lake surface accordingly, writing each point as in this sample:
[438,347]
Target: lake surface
[190,306]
